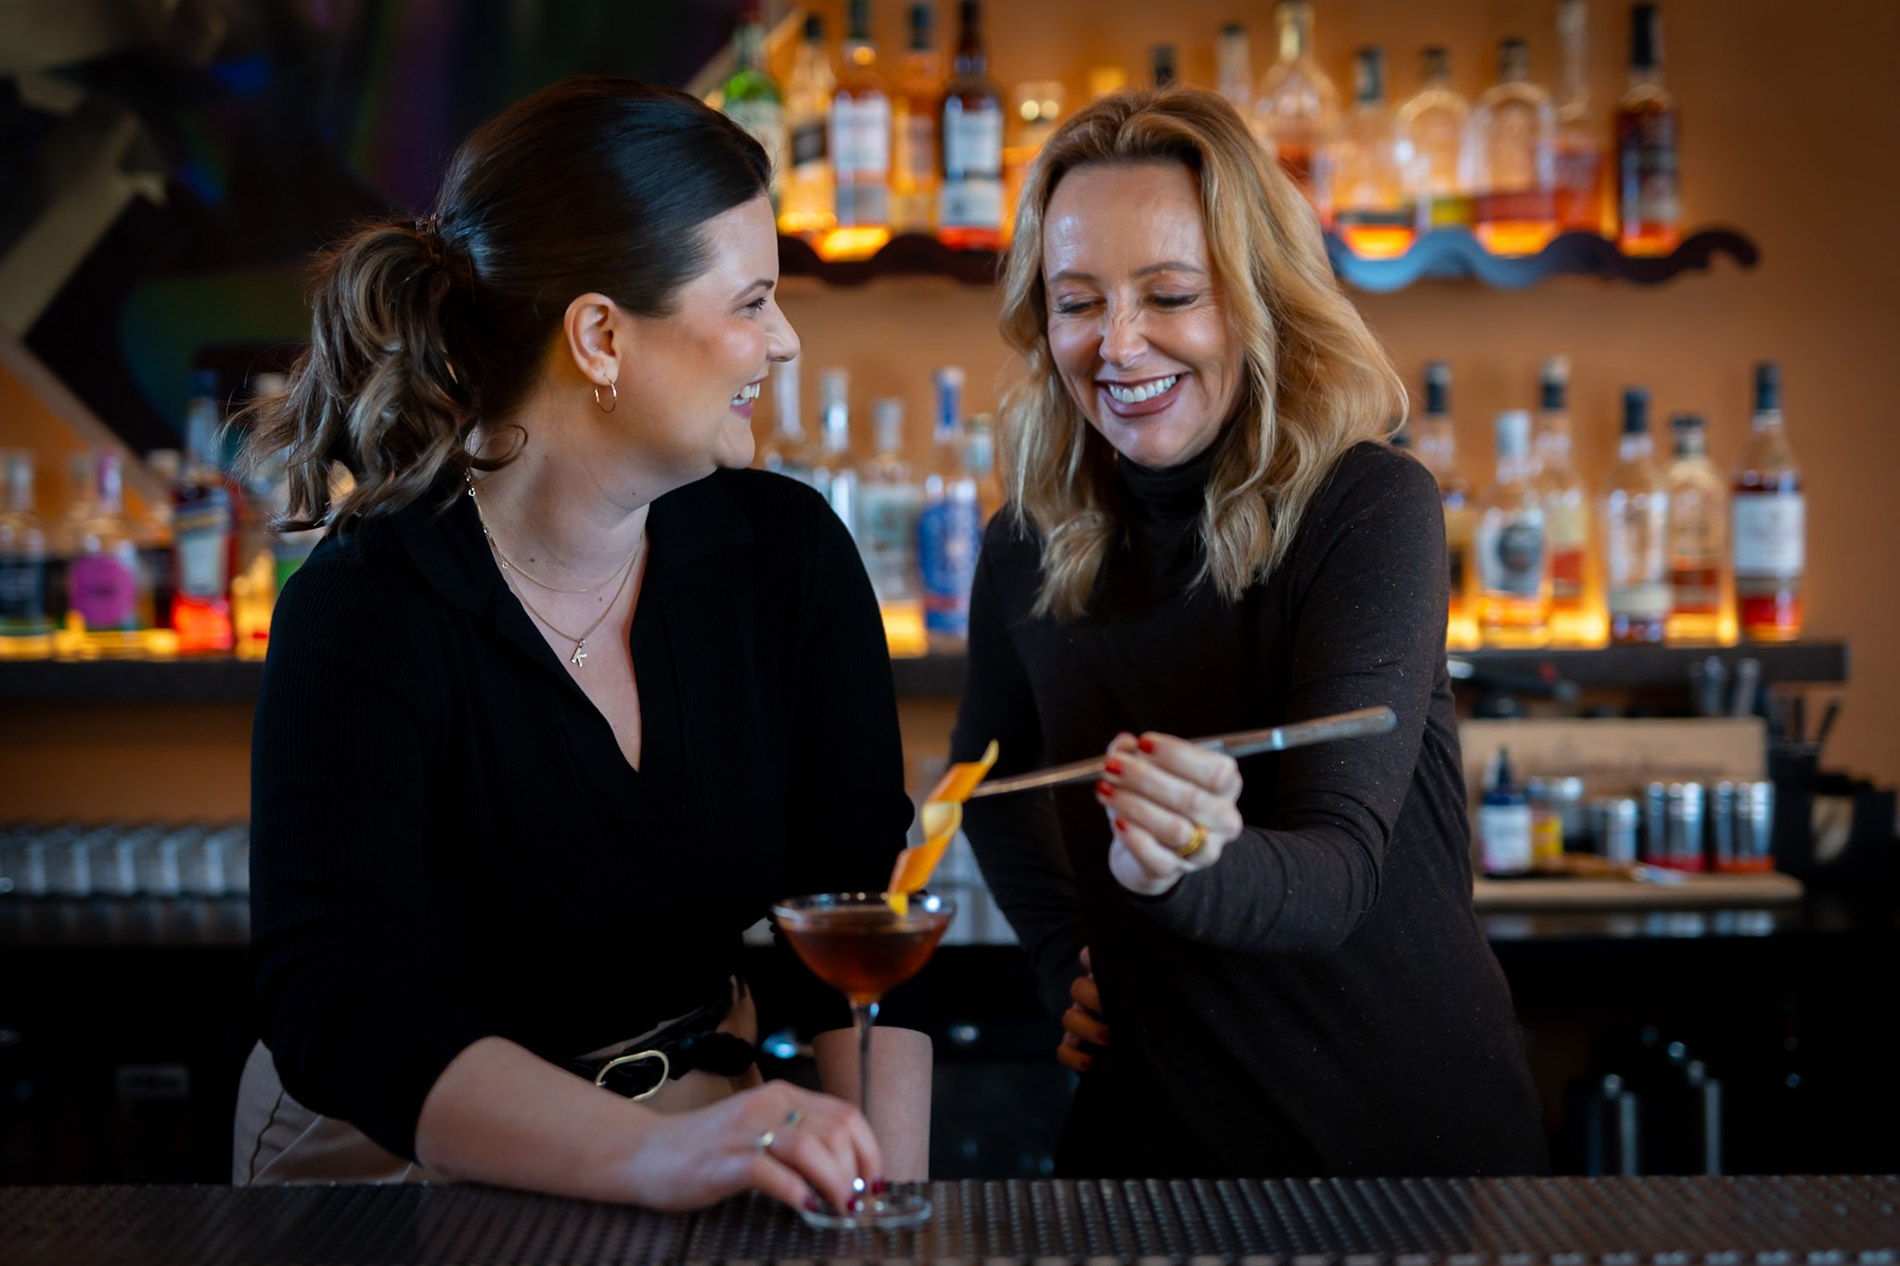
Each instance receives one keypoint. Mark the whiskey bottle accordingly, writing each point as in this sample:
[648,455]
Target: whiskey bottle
[1636,532]
[1437,447]
[889,502]
[860,146]
[203,523]
[1566,512]
[1579,146]
[1510,159]
[1297,107]
[1698,537]
[916,106]
[806,205]
[26,631]
[1372,174]
[1434,119]
[970,200]
[751,98]
[1234,68]
[1769,518]
[1513,557]
[1648,194]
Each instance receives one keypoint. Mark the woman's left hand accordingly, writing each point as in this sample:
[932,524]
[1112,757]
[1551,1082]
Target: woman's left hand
[1173,808]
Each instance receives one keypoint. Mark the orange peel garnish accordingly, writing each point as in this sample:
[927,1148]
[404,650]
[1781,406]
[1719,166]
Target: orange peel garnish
[941,816]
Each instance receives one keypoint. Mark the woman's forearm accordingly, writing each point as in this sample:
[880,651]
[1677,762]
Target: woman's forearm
[900,1092]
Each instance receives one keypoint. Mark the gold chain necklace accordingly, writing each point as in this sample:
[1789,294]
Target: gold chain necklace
[578,657]
[508,564]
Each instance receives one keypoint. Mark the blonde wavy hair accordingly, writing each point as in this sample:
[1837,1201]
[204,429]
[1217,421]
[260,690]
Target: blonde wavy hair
[1316,382]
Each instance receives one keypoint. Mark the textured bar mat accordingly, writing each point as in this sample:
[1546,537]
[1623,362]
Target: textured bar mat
[1487,1222]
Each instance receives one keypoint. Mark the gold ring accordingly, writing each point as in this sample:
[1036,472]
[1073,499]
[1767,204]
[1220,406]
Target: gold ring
[1197,840]
[765,1141]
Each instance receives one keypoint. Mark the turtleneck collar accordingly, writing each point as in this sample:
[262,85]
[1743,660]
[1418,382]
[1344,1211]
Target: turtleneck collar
[1170,496]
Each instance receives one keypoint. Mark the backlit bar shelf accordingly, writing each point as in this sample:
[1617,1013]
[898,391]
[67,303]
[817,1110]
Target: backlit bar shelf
[934,676]
[1442,255]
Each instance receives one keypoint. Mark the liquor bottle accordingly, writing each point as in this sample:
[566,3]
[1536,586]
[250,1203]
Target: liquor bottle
[156,543]
[26,631]
[833,475]
[1434,119]
[1036,110]
[786,451]
[1579,146]
[1698,537]
[82,479]
[751,98]
[1513,558]
[1161,66]
[1510,159]
[860,146]
[970,200]
[889,502]
[805,206]
[1372,171]
[979,461]
[1648,195]
[106,584]
[203,523]
[1504,823]
[950,528]
[1234,68]
[916,107]
[1636,532]
[1297,107]
[1769,517]
[1437,447]
[1566,513]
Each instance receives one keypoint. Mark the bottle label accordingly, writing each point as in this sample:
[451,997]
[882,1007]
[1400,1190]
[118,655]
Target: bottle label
[105,592]
[202,559]
[949,534]
[973,141]
[764,122]
[1648,163]
[887,538]
[808,143]
[1504,830]
[861,136]
[1640,600]
[918,155]
[1770,534]
[1512,560]
[22,595]
[970,204]
[1566,579]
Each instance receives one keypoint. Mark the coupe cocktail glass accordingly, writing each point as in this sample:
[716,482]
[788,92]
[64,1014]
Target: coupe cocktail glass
[862,947]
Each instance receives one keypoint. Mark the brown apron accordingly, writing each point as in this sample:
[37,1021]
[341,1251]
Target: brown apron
[275,1139]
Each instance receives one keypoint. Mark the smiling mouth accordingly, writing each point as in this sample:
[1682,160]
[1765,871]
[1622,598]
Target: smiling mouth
[1135,393]
[746,394]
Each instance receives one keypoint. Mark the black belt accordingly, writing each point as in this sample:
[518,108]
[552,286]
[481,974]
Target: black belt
[693,1043]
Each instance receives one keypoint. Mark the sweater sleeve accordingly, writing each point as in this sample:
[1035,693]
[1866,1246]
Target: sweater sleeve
[1017,838]
[340,757]
[1369,629]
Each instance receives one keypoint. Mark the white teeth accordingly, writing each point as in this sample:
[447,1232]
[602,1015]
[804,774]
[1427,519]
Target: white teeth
[1147,391]
[748,392]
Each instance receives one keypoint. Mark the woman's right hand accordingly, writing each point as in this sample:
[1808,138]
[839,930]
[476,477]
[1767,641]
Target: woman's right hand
[1082,1023]
[818,1149]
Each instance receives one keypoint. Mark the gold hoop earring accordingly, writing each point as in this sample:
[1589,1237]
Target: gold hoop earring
[613,398]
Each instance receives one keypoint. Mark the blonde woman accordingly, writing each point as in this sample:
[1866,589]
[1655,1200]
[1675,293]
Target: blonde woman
[1208,533]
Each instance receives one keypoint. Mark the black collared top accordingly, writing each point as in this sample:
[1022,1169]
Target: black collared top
[448,842]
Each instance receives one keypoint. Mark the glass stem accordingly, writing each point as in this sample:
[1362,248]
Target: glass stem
[865,1013]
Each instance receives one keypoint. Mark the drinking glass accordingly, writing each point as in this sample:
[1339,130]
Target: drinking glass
[856,943]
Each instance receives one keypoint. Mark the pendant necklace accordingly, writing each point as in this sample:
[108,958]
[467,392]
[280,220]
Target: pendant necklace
[578,658]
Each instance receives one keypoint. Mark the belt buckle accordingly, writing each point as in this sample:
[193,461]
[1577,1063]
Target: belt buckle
[666,1070]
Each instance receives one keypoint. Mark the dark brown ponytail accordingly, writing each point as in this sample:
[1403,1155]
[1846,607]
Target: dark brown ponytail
[422,329]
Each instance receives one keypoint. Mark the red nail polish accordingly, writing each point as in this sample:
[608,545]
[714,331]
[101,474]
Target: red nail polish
[1146,745]
[1104,789]
[813,1204]
[879,1186]
[1113,766]
[1120,825]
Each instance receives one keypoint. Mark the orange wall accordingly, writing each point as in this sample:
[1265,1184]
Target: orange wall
[1785,116]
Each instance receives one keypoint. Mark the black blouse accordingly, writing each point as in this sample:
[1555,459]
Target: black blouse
[1322,1000]
[448,841]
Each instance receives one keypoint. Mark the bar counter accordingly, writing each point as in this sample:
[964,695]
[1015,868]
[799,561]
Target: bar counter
[1766,1221]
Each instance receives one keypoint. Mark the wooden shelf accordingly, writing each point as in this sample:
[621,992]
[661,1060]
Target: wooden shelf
[931,676]
[1447,254]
